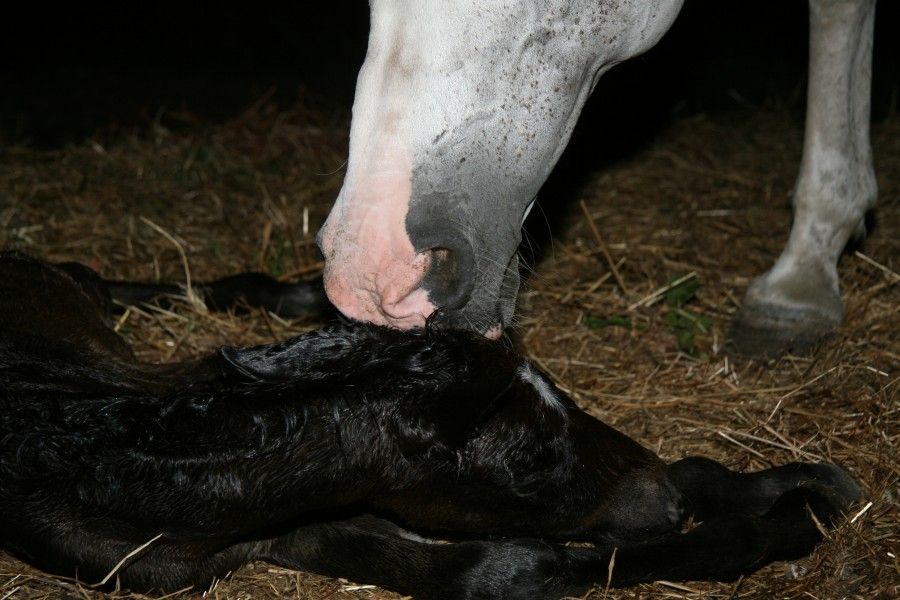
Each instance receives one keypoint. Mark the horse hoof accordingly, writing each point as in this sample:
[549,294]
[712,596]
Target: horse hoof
[767,331]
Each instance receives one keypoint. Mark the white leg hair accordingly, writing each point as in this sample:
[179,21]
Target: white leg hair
[798,301]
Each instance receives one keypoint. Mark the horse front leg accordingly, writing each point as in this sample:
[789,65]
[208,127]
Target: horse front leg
[797,302]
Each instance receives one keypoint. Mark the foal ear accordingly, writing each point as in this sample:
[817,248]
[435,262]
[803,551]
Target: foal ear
[234,361]
[260,363]
[318,352]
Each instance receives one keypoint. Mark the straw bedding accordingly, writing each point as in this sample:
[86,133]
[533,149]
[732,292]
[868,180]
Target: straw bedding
[705,203]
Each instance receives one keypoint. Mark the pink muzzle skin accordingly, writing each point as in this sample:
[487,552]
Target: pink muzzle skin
[372,271]
[379,304]
[376,276]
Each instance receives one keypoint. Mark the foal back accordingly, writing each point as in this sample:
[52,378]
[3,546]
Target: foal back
[50,312]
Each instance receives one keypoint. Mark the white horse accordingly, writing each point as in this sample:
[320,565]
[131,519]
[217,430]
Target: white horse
[464,106]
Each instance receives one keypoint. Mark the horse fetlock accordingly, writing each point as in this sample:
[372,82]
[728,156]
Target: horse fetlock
[789,309]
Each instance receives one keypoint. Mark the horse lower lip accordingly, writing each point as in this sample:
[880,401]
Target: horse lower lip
[404,321]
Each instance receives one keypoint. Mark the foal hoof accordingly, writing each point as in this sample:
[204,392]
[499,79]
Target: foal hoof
[829,493]
[768,331]
[845,489]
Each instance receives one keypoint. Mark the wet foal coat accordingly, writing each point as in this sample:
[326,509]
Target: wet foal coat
[323,451]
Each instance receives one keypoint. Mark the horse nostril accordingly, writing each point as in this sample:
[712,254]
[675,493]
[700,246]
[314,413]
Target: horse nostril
[443,270]
[450,278]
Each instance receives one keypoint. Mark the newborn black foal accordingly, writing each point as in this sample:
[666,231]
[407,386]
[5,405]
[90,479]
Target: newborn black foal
[284,452]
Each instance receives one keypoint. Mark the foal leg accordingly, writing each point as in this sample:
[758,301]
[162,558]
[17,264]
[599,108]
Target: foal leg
[120,557]
[798,301]
[250,289]
[709,489]
[371,550]
[257,290]
[724,547]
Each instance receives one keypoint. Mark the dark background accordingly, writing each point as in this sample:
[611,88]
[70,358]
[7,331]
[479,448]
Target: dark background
[72,72]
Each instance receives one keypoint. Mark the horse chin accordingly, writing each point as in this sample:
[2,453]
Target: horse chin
[476,321]
[489,311]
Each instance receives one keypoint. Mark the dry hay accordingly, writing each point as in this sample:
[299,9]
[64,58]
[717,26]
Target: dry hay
[709,196]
